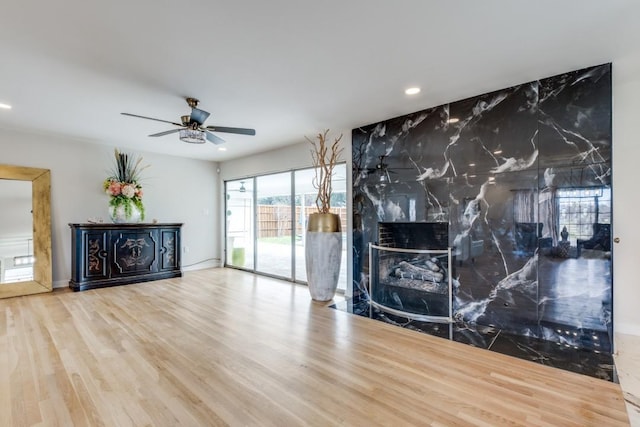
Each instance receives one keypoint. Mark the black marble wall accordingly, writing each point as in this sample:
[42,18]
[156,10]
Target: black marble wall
[507,171]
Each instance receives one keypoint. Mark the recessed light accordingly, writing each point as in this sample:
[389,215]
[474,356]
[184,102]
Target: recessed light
[453,120]
[412,91]
[222,148]
[5,106]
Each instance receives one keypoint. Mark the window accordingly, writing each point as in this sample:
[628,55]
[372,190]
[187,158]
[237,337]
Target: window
[580,208]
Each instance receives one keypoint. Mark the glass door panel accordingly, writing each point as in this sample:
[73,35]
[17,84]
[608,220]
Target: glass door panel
[305,204]
[274,220]
[240,220]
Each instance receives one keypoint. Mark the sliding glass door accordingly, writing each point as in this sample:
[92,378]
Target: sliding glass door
[305,205]
[240,223]
[277,207]
[274,216]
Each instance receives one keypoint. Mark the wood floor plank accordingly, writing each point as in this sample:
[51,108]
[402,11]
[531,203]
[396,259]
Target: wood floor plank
[222,347]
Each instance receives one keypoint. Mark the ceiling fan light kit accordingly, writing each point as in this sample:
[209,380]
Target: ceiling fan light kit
[192,129]
[192,136]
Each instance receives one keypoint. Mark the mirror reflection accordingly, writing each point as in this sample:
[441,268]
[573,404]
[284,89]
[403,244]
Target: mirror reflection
[16,231]
[40,214]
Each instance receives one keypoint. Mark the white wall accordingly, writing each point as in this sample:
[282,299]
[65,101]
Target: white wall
[287,158]
[626,194]
[175,190]
[282,159]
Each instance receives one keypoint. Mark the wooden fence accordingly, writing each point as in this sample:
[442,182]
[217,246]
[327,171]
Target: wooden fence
[275,220]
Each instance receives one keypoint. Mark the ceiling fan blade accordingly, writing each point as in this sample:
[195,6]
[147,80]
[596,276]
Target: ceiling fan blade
[166,132]
[199,116]
[241,131]
[151,118]
[215,139]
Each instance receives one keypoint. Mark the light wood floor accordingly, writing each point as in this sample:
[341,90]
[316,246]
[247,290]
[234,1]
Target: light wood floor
[223,347]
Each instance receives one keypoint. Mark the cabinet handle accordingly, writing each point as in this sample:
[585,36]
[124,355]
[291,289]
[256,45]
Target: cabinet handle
[616,240]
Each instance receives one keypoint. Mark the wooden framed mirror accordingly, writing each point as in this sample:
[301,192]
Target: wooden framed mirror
[41,221]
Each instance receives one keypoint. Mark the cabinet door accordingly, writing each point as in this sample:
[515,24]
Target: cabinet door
[170,249]
[134,252]
[93,255]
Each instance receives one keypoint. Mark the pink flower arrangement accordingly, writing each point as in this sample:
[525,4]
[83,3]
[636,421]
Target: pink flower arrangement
[123,186]
[115,188]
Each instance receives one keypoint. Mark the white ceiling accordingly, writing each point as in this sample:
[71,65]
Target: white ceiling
[287,68]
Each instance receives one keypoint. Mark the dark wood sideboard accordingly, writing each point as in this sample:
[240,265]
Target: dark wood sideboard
[119,254]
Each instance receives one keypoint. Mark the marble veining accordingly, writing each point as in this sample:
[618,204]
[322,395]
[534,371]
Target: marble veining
[507,171]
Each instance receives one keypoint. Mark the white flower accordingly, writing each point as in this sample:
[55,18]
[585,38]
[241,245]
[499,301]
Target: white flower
[128,191]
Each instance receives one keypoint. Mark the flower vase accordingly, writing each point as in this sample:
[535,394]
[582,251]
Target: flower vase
[119,216]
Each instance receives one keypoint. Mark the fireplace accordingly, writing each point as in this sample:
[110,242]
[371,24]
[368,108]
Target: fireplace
[413,235]
[410,270]
[519,165]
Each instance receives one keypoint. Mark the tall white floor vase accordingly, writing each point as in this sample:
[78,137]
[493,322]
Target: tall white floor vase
[323,252]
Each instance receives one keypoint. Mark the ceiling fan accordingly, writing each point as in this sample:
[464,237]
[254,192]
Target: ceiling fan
[382,171]
[192,128]
[241,189]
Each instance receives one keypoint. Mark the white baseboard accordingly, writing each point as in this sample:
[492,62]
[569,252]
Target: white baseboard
[60,284]
[627,328]
[200,266]
[203,265]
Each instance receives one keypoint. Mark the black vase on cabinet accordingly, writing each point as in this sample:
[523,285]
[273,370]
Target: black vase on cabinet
[119,254]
